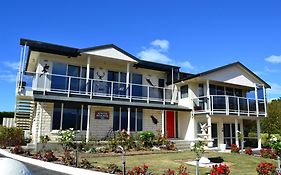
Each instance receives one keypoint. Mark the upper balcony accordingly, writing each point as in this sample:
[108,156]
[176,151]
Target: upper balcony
[70,86]
[229,105]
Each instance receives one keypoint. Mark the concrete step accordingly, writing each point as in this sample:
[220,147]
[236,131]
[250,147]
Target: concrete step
[182,144]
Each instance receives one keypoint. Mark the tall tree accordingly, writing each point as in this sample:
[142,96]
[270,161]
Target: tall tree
[272,123]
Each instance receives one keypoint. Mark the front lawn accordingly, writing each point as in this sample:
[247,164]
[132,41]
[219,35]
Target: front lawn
[158,163]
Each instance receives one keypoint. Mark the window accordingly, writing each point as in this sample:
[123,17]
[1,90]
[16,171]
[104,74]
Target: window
[220,90]
[213,90]
[59,82]
[74,71]
[121,115]
[136,89]
[184,91]
[71,116]
[118,88]
[57,116]
[83,79]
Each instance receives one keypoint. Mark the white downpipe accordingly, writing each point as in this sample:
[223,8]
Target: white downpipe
[129,120]
[88,124]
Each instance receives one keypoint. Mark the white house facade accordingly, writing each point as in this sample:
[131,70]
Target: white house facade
[102,89]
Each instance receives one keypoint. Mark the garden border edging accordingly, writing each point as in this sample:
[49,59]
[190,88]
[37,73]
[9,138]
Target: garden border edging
[51,166]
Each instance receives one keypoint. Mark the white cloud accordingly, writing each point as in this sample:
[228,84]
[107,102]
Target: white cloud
[8,76]
[187,65]
[158,52]
[11,65]
[154,55]
[275,89]
[275,59]
[163,44]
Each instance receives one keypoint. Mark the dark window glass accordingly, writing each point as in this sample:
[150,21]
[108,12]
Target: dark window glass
[59,82]
[85,118]
[116,118]
[133,119]
[74,72]
[213,90]
[83,79]
[184,91]
[71,116]
[136,89]
[139,119]
[229,91]
[123,77]
[220,90]
[56,116]
[238,92]
[112,76]
[124,118]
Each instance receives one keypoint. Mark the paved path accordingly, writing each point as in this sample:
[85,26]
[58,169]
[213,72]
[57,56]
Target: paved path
[35,170]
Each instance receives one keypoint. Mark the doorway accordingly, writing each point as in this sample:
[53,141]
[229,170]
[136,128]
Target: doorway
[170,124]
[229,133]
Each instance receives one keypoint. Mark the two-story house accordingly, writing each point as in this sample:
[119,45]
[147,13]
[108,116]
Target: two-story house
[102,89]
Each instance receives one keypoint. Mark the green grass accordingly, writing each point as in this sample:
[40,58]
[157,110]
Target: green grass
[158,163]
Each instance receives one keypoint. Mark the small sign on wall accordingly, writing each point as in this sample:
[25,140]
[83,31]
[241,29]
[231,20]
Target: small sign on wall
[103,115]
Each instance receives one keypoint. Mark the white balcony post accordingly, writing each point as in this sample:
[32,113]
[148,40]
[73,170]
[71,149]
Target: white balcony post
[264,101]
[147,94]
[88,124]
[257,102]
[163,122]
[248,107]
[259,133]
[111,91]
[19,72]
[208,96]
[212,101]
[91,93]
[164,96]
[236,132]
[129,120]
[238,106]
[88,73]
[227,104]
[68,90]
[127,80]
[131,92]
[45,82]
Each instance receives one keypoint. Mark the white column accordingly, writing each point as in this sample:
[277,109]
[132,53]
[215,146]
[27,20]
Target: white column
[88,124]
[129,120]
[209,120]
[127,80]
[163,122]
[61,115]
[88,73]
[81,117]
[257,102]
[220,133]
[236,132]
[259,133]
[40,120]
[264,100]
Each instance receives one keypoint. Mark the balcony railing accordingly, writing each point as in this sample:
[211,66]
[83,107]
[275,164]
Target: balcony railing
[229,105]
[91,88]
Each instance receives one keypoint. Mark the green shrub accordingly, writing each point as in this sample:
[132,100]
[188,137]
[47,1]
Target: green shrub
[11,136]
[147,138]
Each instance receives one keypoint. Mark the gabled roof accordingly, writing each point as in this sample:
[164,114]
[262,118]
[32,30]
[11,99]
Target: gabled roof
[40,46]
[224,67]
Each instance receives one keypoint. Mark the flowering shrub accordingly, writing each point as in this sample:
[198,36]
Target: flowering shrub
[234,148]
[68,159]
[11,136]
[66,138]
[147,138]
[249,151]
[182,170]
[17,150]
[220,169]
[198,148]
[268,153]
[265,168]
[137,170]
[38,156]
[275,144]
[124,139]
[49,156]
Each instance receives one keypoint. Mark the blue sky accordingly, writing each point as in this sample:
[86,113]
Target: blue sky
[197,35]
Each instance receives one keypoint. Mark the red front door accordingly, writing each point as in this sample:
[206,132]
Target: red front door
[170,124]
